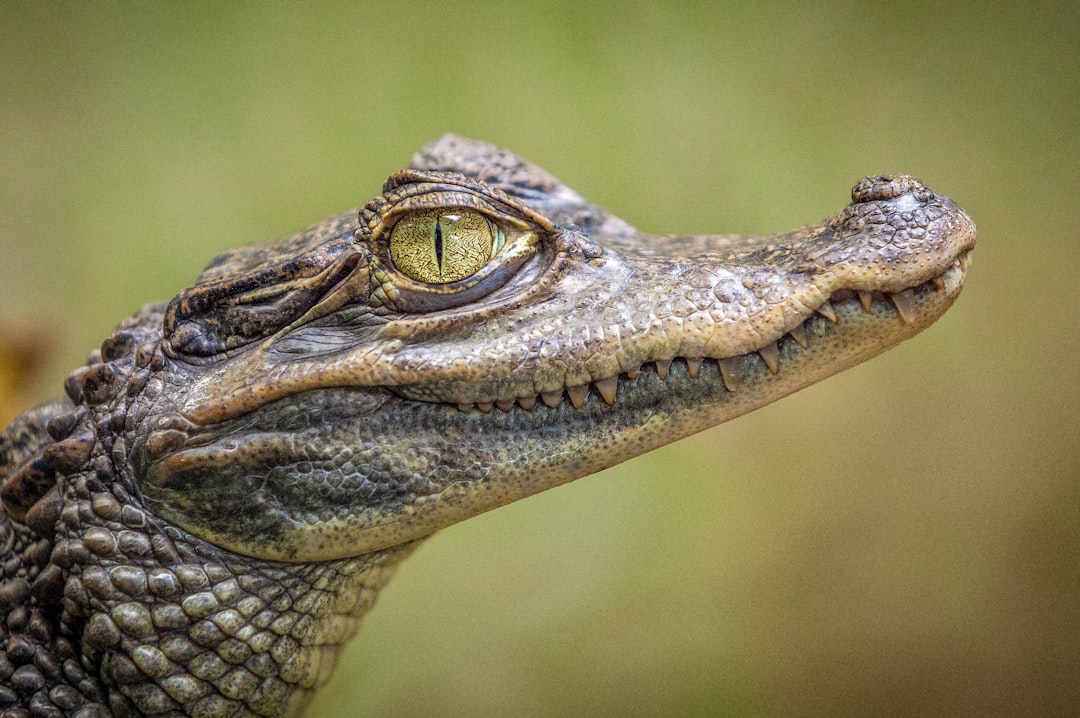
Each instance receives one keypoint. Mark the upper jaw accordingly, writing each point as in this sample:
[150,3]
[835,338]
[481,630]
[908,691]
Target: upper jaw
[898,245]
[899,253]
[904,314]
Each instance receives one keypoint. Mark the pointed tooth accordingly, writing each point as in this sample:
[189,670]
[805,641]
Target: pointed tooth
[939,282]
[578,394]
[505,404]
[634,371]
[485,406]
[799,335]
[771,355]
[552,398]
[826,311]
[866,299]
[905,305]
[608,389]
[729,372]
[693,366]
[662,368]
[527,402]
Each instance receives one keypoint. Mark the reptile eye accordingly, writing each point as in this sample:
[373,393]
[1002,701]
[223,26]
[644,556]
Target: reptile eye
[440,241]
[438,246]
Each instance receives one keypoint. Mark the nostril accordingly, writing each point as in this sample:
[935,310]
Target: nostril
[886,187]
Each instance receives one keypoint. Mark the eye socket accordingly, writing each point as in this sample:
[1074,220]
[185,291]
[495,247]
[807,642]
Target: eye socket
[443,246]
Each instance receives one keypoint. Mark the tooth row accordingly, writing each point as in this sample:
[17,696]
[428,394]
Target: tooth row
[903,301]
[607,388]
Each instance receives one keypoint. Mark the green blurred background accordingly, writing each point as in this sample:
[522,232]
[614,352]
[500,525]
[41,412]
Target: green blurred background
[902,539]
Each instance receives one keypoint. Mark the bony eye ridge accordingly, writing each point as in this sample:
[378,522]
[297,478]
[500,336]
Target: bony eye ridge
[439,246]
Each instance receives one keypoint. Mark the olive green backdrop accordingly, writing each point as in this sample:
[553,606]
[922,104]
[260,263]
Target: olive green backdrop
[902,539]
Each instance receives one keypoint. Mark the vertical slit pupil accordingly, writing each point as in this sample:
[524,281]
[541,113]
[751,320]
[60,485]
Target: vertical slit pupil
[438,243]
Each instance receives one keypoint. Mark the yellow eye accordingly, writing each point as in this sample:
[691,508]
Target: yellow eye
[440,246]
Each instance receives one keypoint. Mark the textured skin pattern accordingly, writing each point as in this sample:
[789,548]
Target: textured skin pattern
[110,611]
[234,475]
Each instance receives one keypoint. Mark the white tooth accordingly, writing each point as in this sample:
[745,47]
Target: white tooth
[729,372]
[799,335]
[771,355]
[866,299]
[608,389]
[552,398]
[826,311]
[905,305]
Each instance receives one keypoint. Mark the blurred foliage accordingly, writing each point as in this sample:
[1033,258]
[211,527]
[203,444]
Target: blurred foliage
[901,539]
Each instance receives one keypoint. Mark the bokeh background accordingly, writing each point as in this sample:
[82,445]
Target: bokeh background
[903,539]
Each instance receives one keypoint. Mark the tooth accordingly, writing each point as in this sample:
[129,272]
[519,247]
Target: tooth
[939,282]
[826,311]
[578,394]
[608,388]
[771,356]
[693,366]
[505,404]
[466,407]
[662,367]
[634,371]
[729,372]
[485,406]
[527,402]
[799,335]
[866,299]
[552,398]
[905,305]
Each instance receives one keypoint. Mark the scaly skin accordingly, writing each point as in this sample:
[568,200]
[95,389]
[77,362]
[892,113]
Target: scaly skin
[236,474]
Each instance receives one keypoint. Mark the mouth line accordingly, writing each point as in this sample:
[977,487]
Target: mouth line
[904,304]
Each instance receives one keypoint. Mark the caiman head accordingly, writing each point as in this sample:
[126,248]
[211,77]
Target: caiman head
[479,332]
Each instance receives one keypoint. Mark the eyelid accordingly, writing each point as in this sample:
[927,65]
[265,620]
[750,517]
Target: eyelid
[415,297]
[383,212]
[506,219]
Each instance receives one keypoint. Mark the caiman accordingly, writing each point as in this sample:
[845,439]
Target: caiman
[200,526]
